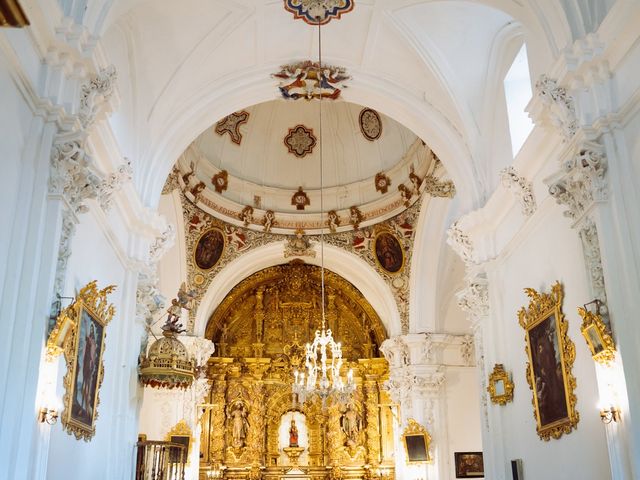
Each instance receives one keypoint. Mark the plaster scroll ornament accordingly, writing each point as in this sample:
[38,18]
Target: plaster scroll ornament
[474,299]
[113,183]
[298,246]
[231,125]
[69,223]
[382,182]
[162,243]
[149,299]
[439,188]
[560,106]
[460,243]
[300,199]
[333,221]
[269,220]
[355,217]
[325,10]
[370,124]
[246,215]
[310,80]
[95,93]
[466,350]
[405,194]
[220,181]
[581,182]
[593,260]
[521,188]
[300,141]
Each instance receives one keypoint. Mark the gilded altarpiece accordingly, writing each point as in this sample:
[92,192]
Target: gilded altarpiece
[260,330]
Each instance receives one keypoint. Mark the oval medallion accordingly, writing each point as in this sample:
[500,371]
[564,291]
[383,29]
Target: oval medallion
[209,249]
[370,124]
[388,252]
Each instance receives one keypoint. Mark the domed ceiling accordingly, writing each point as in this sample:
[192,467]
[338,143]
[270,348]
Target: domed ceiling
[266,158]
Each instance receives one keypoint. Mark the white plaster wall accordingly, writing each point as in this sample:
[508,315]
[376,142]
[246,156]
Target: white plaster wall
[548,252]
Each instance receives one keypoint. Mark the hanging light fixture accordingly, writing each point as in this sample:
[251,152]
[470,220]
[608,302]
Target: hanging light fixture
[321,377]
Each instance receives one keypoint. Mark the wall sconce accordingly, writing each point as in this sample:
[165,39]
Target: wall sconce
[611,414]
[48,415]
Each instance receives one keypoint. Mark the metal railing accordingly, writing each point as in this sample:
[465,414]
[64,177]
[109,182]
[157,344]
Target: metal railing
[160,460]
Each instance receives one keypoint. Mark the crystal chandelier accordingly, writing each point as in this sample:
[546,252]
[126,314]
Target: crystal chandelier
[323,362]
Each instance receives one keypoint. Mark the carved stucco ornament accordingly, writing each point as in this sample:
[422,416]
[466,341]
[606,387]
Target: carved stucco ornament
[559,106]
[521,188]
[231,125]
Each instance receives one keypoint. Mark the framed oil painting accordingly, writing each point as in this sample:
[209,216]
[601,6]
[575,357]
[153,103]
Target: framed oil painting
[551,354]
[388,252]
[209,249]
[417,442]
[598,336]
[469,464]
[84,349]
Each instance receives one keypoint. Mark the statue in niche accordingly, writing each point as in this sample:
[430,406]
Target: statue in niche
[351,424]
[239,425]
[293,434]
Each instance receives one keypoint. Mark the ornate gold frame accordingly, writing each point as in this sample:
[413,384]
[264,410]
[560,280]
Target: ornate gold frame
[380,231]
[500,375]
[415,429]
[95,303]
[541,307]
[592,324]
[194,247]
[181,429]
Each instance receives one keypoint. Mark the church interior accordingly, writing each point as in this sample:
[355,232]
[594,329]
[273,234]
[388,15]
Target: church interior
[320,239]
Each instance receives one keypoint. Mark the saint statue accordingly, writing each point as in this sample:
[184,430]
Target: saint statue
[293,434]
[239,426]
[351,425]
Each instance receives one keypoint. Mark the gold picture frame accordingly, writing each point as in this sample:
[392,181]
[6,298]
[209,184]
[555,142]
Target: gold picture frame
[598,337]
[181,433]
[417,443]
[550,354]
[500,386]
[208,249]
[388,251]
[88,315]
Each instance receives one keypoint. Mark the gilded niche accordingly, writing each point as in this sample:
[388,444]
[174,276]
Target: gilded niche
[260,330]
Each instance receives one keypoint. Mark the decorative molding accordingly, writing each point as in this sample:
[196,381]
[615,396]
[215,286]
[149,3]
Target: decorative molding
[95,94]
[300,141]
[162,243]
[593,260]
[581,181]
[311,10]
[461,243]
[439,188]
[474,298]
[310,80]
[370,124]
[113,183]
[231,125]
[559,106]
[521,188]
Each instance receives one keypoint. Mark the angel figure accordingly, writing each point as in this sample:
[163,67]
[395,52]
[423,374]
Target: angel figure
[269,220]
[416,181]
[405,193]
[333,221]
[186,297]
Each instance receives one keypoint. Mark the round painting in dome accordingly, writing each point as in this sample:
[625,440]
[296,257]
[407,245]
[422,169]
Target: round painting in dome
[209,249]
[388,252]
[370,124]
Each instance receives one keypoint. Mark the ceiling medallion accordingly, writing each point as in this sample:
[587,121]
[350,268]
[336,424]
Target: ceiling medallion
[300,199]
[370,124]
[382,182]
[309,80]
[326,10]
[220,181]
[231,125]
[300,140]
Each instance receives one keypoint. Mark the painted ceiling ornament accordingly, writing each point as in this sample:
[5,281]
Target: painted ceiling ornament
[197,190]
[355,217]
[416,181]
[247,215]
[298,246]
[231,125]
[220,181]
[370,124]
[333,221]
[309,80]
[405,193]
[300,140]
[311,10]
[382,182]
[300,199]
[269,220]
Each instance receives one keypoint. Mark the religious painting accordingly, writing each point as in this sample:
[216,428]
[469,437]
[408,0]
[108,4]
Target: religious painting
[469,464]
[598,336]
[388,252]
[551,354]
[209,249]
[83,353]
[180,434]
[416,443]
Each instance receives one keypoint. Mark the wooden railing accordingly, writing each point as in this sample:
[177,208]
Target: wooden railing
[160,460]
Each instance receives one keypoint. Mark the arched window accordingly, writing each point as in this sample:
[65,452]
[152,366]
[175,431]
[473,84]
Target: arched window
[517,90]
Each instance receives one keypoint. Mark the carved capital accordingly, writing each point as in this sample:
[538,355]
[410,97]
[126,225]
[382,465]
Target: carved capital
[521,188]
[558,106]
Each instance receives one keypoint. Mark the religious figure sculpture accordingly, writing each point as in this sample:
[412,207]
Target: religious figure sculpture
[351,425]
[293,434]
[239,426]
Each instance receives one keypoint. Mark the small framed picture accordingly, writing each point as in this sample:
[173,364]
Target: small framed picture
[416,443]
[597,335]
[500,385]
[469,464]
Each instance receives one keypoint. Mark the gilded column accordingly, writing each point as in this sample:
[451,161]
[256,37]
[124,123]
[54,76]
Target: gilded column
[334,438]
[373,420]
[255,436]
[216,428]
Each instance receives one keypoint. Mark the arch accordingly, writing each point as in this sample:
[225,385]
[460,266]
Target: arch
[347,265]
